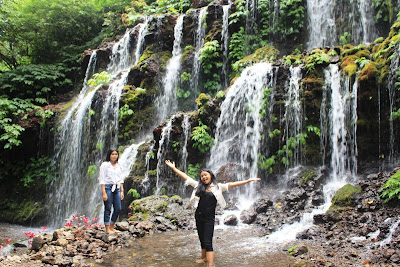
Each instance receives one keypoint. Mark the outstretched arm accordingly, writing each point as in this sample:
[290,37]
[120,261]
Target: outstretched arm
[183,175]
[239,183]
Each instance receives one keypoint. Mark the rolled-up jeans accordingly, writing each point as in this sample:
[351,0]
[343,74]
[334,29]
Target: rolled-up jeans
[113,201]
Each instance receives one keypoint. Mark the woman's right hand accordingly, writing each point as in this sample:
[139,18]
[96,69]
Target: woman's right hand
[170,164]
[105,197]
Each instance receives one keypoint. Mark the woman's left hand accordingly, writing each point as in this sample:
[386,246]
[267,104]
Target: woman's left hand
[122,195]
[254,179]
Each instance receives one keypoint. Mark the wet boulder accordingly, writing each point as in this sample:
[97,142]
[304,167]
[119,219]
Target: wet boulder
[248,216]
[231,220]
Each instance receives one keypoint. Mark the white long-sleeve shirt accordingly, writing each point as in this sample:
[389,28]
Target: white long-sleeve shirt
[110,174]
[217,192]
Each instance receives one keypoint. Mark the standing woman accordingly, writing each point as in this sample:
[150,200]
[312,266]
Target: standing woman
[209,194]
[111,182]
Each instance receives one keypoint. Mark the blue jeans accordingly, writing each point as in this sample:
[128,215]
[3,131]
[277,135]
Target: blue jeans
[113,200]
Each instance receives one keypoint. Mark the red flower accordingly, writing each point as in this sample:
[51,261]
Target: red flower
[29,235]
[7,241]
[43,228]
[95,219]
[1,247]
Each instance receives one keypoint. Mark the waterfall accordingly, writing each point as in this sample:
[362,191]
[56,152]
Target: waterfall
[225,41]
[239,127]
[293,117]
[146,180]
[369,33]
[128,157]
[324,26]
[341,112]
[186,132]
[251,18]
[167,102]
[199,42]
[161,154]
[321,23]
[140,41]
[76,189]
[342,118]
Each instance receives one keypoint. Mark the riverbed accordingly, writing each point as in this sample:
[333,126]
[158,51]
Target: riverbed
[233,246]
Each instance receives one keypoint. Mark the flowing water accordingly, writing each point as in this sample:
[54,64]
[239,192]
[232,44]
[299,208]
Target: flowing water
[339,100]
[293,118]
[324,18]
[75,189]
[198,44]
[234,246]
[239,127]
[225,46]
[167,102]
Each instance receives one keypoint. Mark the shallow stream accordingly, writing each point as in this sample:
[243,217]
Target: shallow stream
[233,246]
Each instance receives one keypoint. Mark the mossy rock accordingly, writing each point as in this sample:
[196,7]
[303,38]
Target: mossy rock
[369,72]
[344,197]
[307,176]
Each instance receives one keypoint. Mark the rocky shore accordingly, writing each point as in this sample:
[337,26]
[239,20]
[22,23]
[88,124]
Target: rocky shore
[358,229]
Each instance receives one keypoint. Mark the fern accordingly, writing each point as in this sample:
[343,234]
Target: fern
[391,189]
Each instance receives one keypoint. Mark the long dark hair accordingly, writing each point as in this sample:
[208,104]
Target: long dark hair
[109,154]
[202,187]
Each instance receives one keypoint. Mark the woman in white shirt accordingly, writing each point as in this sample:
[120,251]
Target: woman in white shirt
[111,182]
[209,194]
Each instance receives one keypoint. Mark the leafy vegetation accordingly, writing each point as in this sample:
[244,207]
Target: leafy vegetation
[202,139]
[391,189]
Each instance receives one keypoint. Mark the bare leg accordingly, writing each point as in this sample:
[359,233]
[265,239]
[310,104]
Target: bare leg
[210,258]
[203,257]
[112,229]
[108,231]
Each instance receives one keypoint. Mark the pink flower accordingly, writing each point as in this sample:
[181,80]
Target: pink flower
[95,219]
[7,241]
[29,235]
[43,228]
[1,247]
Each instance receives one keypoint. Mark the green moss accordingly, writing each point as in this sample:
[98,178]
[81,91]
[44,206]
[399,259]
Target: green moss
[263,54]
[344,197]
[363,53]
[307,176]
[369,72]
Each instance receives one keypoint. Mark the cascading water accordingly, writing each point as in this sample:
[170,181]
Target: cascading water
[324,28]
[293,118]
[225,41]
[240,125]
[343,118]
[368,33]
[321,23]
[199,42]
[161,154]
[341,112]
[140,41]
[146,180]
[186,132]
[167,102]
[75,190]
[251,18]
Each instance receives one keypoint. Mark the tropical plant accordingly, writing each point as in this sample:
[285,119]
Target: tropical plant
[202,139]
[391,189]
